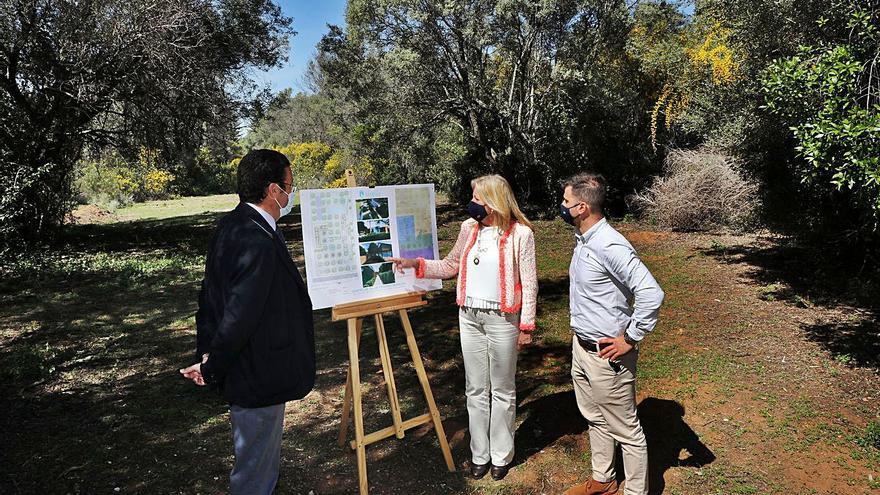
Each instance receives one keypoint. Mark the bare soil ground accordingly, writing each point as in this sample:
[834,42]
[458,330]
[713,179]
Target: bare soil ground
[762,377]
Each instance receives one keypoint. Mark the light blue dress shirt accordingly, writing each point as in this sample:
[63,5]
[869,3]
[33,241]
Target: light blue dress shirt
[611,290]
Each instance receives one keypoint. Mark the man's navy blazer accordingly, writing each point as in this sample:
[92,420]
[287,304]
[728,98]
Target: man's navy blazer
[255,315]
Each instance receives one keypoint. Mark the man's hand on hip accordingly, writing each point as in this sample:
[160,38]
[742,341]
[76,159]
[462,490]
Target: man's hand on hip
[617,349]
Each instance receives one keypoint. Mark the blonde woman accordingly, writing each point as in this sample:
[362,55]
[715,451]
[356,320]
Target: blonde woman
[497,289]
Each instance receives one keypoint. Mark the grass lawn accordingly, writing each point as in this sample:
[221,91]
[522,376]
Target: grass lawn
[758,379]
[164,209]
[177,207]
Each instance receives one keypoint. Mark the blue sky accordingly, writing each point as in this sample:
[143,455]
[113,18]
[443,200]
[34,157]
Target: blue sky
[310,19]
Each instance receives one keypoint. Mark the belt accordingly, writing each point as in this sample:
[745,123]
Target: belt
[591,345]
[595,347]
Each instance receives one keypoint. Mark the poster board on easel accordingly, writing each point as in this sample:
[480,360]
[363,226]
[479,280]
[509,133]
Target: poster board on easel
[349,233]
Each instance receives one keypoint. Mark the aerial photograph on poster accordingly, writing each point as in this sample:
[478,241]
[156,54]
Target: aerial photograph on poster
[374,230]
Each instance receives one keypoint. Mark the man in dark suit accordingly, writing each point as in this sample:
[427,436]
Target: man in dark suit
[254,332]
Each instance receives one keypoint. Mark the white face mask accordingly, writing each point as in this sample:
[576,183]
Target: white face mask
[288,206]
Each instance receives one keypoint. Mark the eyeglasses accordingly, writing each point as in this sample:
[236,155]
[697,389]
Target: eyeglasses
[293,188]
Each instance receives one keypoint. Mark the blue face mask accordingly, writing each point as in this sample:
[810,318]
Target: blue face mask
[477,211]
[288,207]
[565,213]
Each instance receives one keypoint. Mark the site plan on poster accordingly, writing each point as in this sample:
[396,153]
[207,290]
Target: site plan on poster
[349,235]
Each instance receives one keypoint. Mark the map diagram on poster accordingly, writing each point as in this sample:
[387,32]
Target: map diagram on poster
[349,235]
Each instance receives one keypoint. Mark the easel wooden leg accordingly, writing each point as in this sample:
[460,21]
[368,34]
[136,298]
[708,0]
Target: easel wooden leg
[352,400]
[426,388]
[388,370]
[354,366]
[346,401]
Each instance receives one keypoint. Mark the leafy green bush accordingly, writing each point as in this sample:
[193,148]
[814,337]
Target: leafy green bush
[209,175]
[111,181]
[105,182]
[34,199]
[829,97]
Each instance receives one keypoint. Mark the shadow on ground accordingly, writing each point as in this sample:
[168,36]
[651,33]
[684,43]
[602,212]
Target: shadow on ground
[668,435]
[96,403]
[805,276]
[554,416]
[93,401]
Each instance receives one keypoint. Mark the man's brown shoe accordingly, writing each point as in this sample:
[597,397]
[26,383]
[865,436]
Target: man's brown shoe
[593,487]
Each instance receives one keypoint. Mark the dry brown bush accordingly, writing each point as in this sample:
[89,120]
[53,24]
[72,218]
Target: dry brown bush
[702,189]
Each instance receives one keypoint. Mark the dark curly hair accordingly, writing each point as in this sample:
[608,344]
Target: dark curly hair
[256,171]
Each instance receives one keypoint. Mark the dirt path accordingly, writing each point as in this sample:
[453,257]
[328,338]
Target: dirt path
[774,397]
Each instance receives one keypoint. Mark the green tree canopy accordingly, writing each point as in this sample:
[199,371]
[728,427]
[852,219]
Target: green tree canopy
[830,96]
[533,89]
[117,73]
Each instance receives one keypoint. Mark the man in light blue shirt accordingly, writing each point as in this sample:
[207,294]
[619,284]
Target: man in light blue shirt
[614,303]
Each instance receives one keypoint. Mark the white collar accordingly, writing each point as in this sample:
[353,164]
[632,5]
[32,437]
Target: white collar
[586,236]
[264,214]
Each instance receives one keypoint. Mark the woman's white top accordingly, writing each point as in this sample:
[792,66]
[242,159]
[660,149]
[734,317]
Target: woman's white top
[482,287]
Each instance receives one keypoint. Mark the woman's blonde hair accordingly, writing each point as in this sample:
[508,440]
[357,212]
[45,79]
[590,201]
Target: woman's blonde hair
[495,191]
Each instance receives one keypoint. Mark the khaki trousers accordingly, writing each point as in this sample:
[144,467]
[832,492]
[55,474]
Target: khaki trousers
[607,399]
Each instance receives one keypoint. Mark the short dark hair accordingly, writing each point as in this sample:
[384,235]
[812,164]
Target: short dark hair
[589,188]
[256,171]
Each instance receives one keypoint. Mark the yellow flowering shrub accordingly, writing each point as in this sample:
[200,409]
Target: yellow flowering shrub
[715,54]
[307,162]
[125,184]
[340,162]
[334,167]
[113,181]
[337,183]
[315,164]
[156,182]
[707,57]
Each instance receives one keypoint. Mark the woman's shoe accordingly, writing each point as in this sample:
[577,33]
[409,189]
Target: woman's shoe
[479,470]
[499,472]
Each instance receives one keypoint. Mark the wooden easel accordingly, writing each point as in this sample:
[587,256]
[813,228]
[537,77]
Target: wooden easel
[353,313]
